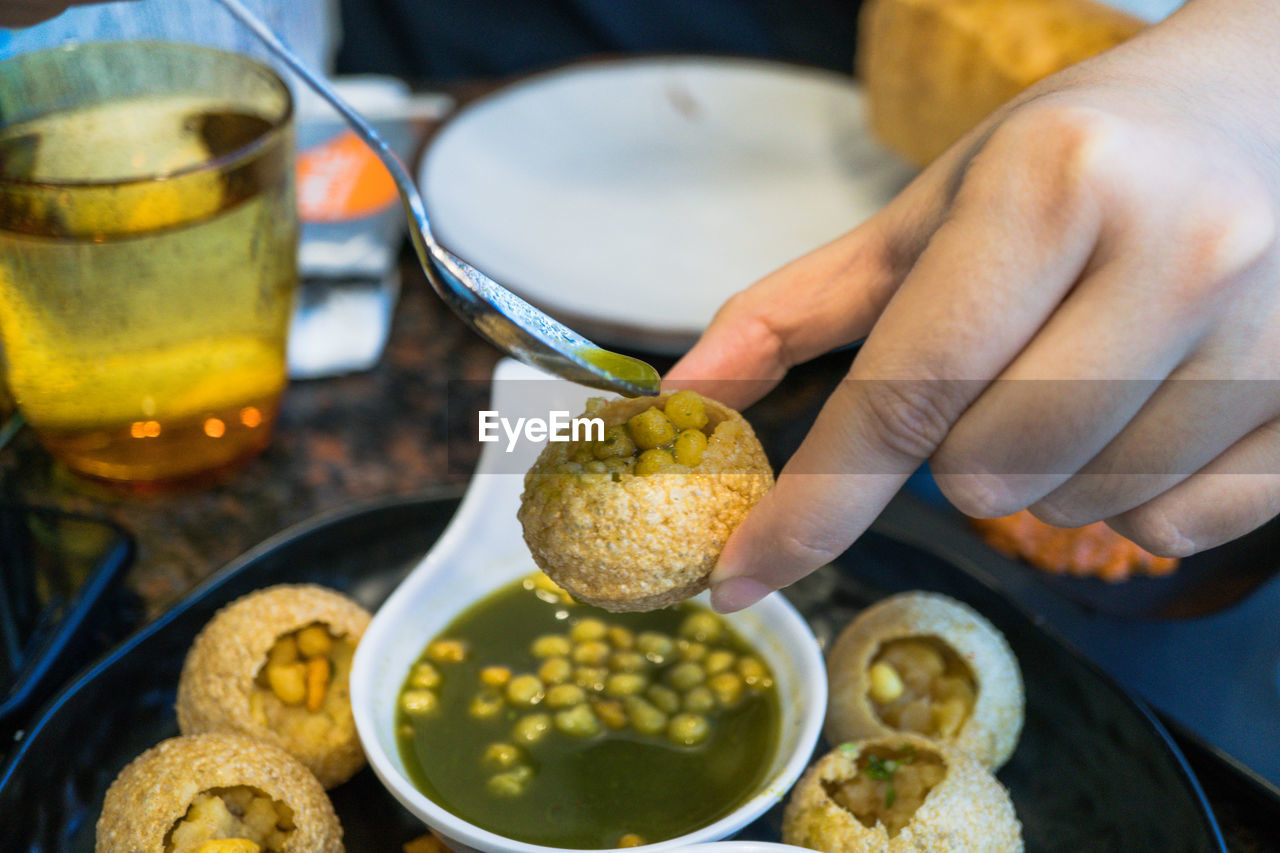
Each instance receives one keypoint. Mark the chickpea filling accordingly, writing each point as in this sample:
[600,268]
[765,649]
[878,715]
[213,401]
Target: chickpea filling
[649,442]
[890,785]
[303,689]
[592,679]
[919,684]
[239,819]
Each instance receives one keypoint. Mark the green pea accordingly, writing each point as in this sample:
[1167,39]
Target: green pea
[501,756]
[550,645]
[720,660]
[592,653]
[656,647]
[578,721]
[424,675]
[702,626]
[664,698]
[687,410]
[565,695]
[699,700]
[628,662]
[727,687]
[525,690]
[555,670]
[689,447]
[683,676]
[531,728]
[688,729]
[618,467]
[653,461]
[651,428]
[590,677]
[617,443]
[625,684]
[622,639]
[588,629]
[511,783]
[753,672]
[419,702]
[486,705]
[610,712]
[690,650]
[645,717]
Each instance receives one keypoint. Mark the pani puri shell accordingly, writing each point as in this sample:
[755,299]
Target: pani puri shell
[219,675]
[991,729]
[630,542]
[968,811]
[155,791]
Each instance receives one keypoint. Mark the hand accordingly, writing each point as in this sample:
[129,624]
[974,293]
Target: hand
[1119,221]
[25,13]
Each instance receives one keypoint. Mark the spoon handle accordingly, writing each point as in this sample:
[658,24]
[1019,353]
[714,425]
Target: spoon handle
[408,192]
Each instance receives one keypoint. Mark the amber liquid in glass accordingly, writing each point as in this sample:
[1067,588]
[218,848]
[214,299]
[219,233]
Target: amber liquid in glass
[144,322]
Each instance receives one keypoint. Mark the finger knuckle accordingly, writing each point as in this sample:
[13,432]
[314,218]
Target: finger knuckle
[1226,225]
[1051,152]
[1156,529]
[1061,512]
[807,548]
[978,495]
[909,417]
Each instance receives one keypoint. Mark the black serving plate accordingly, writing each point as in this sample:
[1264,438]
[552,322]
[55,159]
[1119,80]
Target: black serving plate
[1201,646]
[1094,771]
[61,602]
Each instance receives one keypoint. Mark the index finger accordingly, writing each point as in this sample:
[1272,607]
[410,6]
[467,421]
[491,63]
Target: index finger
[985,283]
[821,300]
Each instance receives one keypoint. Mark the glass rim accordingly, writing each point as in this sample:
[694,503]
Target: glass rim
[222,161]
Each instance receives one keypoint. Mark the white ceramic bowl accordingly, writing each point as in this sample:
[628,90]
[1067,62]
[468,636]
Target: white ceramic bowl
[481,550]
[740,845]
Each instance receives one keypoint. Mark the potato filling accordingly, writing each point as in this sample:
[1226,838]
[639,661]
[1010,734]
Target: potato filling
[238,819]
[890,785]
[302,689]
[919,684]
[651,441]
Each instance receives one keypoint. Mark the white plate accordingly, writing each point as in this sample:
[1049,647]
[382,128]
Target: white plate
[633,197]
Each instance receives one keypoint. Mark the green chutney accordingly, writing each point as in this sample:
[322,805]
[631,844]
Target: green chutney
[559,724]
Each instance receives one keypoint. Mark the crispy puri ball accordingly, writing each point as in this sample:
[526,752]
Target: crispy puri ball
[276,664]
[900,793]
[640,533]
[186,791]
[925,663]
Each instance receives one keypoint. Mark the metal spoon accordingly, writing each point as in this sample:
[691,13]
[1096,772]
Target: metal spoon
[501,317]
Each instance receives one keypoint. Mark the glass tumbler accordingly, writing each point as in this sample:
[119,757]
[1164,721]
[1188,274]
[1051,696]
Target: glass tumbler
[147,255]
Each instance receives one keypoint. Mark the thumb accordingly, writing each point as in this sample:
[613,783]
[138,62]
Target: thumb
[824,499]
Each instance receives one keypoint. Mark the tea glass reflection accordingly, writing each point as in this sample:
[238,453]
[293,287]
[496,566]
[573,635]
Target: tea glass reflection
[147,255]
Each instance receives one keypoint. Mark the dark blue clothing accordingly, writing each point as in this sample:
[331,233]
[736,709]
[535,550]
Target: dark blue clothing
[432,40]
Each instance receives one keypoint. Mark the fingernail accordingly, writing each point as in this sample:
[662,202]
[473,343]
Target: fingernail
[733,594]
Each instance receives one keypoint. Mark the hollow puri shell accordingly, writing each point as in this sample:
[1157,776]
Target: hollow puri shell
[628,542]
[155,790]
[218,675]
[991,730]
[968,811]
